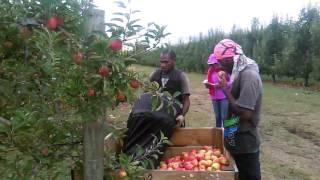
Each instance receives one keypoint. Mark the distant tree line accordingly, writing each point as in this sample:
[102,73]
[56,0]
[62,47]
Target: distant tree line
[284,48]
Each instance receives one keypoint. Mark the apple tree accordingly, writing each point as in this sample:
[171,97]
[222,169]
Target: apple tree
[59,81]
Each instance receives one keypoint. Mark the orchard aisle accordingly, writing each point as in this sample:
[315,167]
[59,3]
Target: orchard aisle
[289,128]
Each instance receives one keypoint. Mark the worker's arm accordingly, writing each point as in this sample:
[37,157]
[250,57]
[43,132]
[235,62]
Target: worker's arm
[185,91]
[186,104]
[250,90]
[242,113]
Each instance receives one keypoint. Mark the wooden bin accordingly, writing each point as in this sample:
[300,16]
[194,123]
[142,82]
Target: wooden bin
[185,139]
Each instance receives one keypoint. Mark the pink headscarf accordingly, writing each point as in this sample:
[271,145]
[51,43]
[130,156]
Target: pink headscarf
[226,48]
[212,59]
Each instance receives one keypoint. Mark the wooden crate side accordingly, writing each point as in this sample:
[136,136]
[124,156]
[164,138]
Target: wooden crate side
[183,175]
[198,137]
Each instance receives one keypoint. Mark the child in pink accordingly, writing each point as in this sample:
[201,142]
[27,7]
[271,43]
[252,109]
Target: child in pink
[218,98]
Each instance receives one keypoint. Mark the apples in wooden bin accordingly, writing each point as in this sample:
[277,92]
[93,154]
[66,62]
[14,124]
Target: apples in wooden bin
[208,158]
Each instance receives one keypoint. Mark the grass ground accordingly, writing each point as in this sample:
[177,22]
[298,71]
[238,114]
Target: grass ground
[290,128]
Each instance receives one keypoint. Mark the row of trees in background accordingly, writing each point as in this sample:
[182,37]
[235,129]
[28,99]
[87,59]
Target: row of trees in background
[284,48]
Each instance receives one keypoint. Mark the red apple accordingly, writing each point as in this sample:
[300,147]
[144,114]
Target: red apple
[216,152]
[77,57]
[116,45]
[175,165]
[207,157]
[90,92]
[194,152]
[134,83]
[163,168]
[202,168]
[190,157]
[45,151]
[121,97]
[104,71]
[209,162]
[215,166]
[52,23]
[184,155]
[213,157]
[207,148]
[188,165]
[122,173]
[195,162]
[200,156]
[203,163]
[209,152]
[223,160]
[169,160]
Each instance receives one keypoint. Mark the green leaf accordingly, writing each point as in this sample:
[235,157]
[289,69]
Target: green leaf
[120,4]
[3,128]
[157,26]
[135,11]
[150,36]
[127,15]
[174,111]
[118,13]
[151,164]
[153,31]
[133,22]
[150,24]
[117,19]
[154,102]
[129,61]
[160,106]
[137,26]
[176,94]
[167,94]
[155,156]
[112,25]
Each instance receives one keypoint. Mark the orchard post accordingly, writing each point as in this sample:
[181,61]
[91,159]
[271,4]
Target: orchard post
[94,129]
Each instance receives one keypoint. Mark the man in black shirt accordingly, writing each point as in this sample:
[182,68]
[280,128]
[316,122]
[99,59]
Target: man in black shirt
[173,80]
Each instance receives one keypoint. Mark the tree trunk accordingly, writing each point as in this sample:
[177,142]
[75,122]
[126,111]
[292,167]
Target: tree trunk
[294,77]
[273,78]
[306,67]
[306,80]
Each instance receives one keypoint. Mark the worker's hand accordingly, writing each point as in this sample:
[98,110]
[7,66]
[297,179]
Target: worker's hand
[206,84]
[222,78]
[180,121]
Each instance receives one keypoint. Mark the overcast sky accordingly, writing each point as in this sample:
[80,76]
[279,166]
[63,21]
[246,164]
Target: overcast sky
[186,18]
